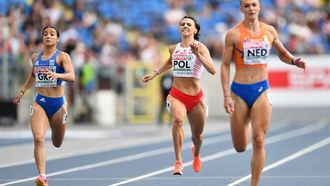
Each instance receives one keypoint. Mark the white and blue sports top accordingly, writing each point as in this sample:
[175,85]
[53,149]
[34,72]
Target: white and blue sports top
[42,66]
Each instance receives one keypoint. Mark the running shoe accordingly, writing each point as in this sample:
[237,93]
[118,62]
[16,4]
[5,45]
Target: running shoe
[197,163]
[178,168]
[41,181]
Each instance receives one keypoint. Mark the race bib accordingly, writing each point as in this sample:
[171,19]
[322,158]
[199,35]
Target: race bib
[41,76]
[256,51]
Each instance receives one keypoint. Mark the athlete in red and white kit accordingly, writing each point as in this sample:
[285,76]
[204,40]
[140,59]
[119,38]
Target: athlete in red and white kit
[188,60]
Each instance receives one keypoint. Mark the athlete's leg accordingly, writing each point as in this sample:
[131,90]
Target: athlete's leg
[239,124]
[196,117]
[260,119]
[57,125]
[178,111]
[39,124]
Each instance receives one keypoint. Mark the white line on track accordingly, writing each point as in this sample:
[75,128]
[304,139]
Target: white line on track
[270,140]
[287,135]
[293,156]
[220,129]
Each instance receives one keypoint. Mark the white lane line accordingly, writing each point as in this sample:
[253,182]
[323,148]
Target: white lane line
[220,129]
[209,141]
[273,139]
[284,123]
[212,140]
[298,154]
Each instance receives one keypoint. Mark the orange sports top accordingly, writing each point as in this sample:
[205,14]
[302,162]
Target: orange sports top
[252,51]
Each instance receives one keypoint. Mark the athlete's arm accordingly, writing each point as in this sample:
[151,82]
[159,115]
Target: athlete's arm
[227,54]
[283,53]
[166,66]
[28,82]
[65,61]
[203,53]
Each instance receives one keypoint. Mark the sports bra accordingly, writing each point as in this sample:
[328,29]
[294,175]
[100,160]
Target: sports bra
[42,66]
[252,51]
[185,63]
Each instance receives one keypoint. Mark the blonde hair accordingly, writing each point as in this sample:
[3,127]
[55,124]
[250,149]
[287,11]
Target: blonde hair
[240,1]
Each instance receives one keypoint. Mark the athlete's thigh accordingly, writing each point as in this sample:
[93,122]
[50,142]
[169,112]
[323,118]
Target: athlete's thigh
[239,121]
[39,120]
[241,115]
[176,108]
[58,121]
[196,117]
[261,114]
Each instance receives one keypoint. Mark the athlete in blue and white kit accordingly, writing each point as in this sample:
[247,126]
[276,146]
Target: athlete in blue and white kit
[50,68]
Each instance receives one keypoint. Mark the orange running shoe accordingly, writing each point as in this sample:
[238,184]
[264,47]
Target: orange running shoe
[197,163]
[41,181]
[178,168]
[193,149]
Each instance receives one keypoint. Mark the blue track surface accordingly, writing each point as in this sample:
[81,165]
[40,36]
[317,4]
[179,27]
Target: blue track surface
[297,154]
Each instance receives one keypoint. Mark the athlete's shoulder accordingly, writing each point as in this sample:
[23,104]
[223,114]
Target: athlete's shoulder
[233,34]
[34,57]
[63,54]
[268,27]
[172,47]
[271,30]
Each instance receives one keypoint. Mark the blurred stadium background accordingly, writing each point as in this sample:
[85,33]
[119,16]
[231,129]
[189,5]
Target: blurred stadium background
[113,43]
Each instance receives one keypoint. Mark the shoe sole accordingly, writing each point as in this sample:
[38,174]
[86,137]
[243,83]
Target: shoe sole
[178,173]
[39,183]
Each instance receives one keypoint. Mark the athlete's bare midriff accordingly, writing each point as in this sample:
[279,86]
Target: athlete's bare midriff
[53,92]
[187,85]
[250,75]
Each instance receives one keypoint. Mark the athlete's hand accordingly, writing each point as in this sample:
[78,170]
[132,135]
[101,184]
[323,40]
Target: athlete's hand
[194,47]
[301,64]
[52,75]
[229,105]
[148,77]
[17,98]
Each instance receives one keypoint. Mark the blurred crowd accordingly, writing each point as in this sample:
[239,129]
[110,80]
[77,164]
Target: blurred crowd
[104,36]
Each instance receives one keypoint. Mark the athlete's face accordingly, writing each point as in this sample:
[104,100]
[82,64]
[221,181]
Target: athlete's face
[250,8]
[49,37]
[188,27]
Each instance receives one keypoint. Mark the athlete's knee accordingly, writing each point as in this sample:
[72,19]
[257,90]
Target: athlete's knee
[57,144]
[57,140]
[239,148]
[39,139]
[258,141]
[178,121]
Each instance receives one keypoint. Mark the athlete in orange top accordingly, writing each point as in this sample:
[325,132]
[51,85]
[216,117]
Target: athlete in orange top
[249,43]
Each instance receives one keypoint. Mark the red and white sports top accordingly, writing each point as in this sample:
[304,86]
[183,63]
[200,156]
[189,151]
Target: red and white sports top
[252,51]
[185,63]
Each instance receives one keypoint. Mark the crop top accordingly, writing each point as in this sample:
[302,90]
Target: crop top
[42,66]
[185,63]
[252,51]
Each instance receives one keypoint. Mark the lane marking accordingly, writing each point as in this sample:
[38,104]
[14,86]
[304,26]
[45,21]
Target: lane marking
[284,123]
[293,156]
[212,140]
[270,140]
[105,148]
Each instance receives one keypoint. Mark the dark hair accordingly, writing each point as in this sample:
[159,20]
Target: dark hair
[57,32]
[198,27]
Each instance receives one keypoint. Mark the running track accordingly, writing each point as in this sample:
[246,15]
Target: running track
[298,150]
